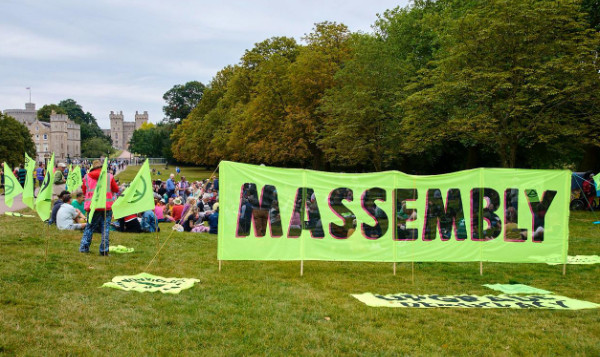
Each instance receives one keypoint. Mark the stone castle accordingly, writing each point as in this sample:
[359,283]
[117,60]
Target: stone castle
[121,131]
[60,136]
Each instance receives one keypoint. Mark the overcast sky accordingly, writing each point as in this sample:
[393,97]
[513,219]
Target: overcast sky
[123,55]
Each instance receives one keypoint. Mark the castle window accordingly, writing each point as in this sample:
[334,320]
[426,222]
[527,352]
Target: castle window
[45,136]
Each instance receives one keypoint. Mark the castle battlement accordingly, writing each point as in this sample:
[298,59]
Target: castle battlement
[121,131]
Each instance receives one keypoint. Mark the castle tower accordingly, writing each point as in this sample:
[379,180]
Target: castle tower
[140,119]
[116,129]
[59,136]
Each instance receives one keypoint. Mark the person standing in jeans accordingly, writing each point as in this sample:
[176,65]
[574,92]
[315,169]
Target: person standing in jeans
[102,217]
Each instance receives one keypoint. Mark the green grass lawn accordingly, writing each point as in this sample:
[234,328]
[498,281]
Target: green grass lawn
[190,173]
[255,308]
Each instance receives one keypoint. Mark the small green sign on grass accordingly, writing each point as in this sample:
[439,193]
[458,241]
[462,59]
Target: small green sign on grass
[145,282]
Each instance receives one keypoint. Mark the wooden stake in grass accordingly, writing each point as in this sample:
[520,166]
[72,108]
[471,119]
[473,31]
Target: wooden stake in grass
[220,261]
[301,267]
[394,268]
[480,268]
[413,272]
[564,269]
[47,241]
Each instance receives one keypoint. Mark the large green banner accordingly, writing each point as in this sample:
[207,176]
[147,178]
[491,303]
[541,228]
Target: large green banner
[499,215]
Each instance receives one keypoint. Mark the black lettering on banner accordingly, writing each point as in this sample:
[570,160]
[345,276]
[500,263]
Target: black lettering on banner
[258,212]
[539,208]
[381,219]
[402,215]
[305,206]
[443,219]
[512,232]
[483,208]
[348,218]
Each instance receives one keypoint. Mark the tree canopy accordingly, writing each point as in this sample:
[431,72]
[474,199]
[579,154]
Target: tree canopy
[16,141]
[437,86]
[181,99]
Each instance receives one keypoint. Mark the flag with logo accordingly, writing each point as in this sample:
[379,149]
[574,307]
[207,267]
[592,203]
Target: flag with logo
[28,197]
[138,197]
[597,182]
[99,197]
[12,187]
[43,202]
[74,180]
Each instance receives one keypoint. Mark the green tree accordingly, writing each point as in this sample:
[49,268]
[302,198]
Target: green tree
[509,75]
[181,99]
[153,141]
[15,141]
[96,147]
[311,75]
[44,112]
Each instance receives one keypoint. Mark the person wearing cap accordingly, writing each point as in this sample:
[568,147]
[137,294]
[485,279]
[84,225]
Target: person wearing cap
[102,216]
[60,180]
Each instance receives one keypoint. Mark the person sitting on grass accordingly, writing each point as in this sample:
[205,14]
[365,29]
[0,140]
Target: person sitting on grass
[177,209]
[78,201]
[59,202]
[149,222]
[213,222]
[68,217]
[129,224]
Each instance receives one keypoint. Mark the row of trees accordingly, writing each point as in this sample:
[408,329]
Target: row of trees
[93,141]
[438,86]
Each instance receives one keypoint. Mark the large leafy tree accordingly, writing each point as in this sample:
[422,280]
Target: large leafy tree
[510,74]
[181,99]
[15,141]
[311,75]
[152,141]
[96,147]
[44,112]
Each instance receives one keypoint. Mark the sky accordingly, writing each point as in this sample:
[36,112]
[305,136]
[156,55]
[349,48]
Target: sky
[123,55]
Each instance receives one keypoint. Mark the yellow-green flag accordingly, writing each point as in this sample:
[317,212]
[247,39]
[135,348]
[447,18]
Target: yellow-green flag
[43,202]
[138,197]
[597,182]
[99,197]
[28,198]
[74,181]
[12,187]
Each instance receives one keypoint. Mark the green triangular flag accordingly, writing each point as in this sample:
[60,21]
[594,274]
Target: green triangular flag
[138,197]
[43,202]
[74,181]
[12,187]
[28,197]
[99,197]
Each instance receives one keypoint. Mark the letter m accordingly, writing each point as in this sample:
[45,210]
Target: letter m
[256,211]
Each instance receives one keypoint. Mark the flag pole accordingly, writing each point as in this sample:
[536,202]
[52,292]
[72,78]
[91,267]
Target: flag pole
[47,241]
[394,268]
[220,261]
[156,227]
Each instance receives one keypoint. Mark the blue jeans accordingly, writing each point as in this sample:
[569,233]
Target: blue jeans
[96,221]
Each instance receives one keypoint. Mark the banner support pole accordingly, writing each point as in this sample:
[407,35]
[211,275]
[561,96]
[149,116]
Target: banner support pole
[394,268]
[47,241]
[413,272]
[480,268]
[220,261]
[302,268]
[564,269]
